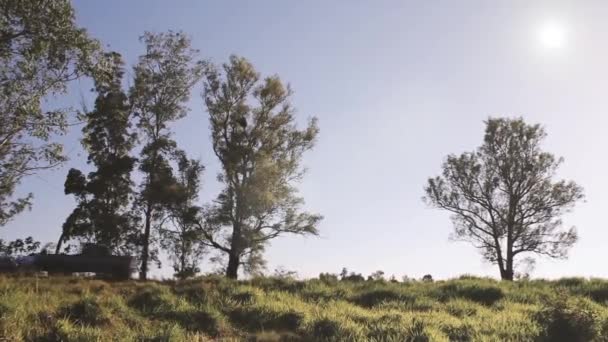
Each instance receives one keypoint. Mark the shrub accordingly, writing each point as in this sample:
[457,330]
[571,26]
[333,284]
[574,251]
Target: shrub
[475,291]
[319,292]
[246,295]
[328,278]
[375,297]
[208,321]
[260,319]
[87,311]
[570,281]
[326,329]
[66,331]
[151,299]
[417,333]
[566,319]
[461,332]
[461,308]
[334,329]
[353,277]
[596,289]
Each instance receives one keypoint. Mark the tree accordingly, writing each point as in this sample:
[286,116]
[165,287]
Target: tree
[503,198]
[41,50]
[19,247]
[102,214]
[259,147]
[376,276]
[164,77]
[282,273]
[181,238]
[328,278]
[343,273]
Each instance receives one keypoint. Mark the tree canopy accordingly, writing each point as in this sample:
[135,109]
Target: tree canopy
[164,78]
[503,197]
[255,137]
[103,215]
[41,50]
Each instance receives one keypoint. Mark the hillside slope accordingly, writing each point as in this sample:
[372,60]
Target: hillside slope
[266,309]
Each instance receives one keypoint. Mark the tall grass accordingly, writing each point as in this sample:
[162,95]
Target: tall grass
[269,309]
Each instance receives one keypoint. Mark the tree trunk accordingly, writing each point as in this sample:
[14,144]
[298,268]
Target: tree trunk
[59,242]
[234,257]
[234,260]
[143,274]
[509,269]
[504,275]
[506,272]
[183,259]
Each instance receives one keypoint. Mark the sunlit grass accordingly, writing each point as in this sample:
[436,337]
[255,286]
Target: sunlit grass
[270,309]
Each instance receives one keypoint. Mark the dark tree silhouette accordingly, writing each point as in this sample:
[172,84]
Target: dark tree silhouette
[102,214]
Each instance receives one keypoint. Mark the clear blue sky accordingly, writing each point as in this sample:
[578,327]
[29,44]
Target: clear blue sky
[396,85]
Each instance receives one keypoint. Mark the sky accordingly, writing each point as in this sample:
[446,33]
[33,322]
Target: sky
[396,86]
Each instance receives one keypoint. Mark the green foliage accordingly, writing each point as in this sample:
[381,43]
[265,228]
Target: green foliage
[86,311]
[328,278]
[102,213]
[183,240]
[503,198]
[19,246]
[164,78]
[378,296]
[570,319]
[479,292]
[41,50]
[259,146]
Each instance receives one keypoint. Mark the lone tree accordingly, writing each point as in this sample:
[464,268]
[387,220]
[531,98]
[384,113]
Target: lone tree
[503,198]
[259,147]
[41,50]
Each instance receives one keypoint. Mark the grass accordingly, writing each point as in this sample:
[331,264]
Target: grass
[272,309]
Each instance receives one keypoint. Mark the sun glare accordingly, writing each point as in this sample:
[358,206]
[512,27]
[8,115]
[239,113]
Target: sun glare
[552,35]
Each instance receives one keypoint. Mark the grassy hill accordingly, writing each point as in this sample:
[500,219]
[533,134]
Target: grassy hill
[267,309]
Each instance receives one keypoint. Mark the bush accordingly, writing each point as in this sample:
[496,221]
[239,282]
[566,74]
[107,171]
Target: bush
[375,297]
[86,312]
[320,292]
[461,308]
[326,329]
[354,277]
[334,329]
[570,281]
[596,289]
[566,319]
[261,319]
[475,291]
[461,332]
[328,278]
[208,321]
[154,300]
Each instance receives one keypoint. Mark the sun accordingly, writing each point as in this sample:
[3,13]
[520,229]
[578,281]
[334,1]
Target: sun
[552,35]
